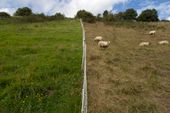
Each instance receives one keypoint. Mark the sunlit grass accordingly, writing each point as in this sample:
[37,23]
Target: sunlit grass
[40,67]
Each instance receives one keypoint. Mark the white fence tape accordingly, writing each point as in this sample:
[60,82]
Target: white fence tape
[84,90]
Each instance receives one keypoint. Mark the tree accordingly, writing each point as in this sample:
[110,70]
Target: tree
[130,14]
[119,16]
[4,15]
[86,16]
[99,17]
[59,16]
[149,15]
[25,11]
[108,16]
[105,14]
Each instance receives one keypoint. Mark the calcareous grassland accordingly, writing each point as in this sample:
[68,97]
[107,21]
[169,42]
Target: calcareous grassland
[126,78]
[40,67]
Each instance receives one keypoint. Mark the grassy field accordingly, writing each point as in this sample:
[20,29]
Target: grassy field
[126,78]
[40,67]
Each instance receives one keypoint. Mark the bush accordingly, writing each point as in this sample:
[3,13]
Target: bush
[119,16]
[99,17]
[59,16]
[85,16]
[105,14]
[149,15]
[165,21]
[4,15]
[28,19]
[42,15]
[32,19]
[25,11]
[108,16]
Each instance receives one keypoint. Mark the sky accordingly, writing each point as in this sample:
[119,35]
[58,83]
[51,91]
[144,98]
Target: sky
[70,7]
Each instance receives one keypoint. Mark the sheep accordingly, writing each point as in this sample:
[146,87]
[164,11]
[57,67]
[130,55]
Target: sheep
[144,44]
[98,38]
[163,42]
[104,44]
[152,32]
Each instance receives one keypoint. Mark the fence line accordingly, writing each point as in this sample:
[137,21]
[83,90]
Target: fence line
[84,89]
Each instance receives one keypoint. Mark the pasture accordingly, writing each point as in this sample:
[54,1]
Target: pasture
[126,78]
[40,67]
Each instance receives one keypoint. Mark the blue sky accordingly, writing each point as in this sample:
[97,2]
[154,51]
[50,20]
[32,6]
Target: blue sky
[163,6]
[70,7]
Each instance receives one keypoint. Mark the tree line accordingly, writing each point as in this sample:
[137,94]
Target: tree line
[25,14]
[148,15]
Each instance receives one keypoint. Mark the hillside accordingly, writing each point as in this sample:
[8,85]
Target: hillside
[40,67]
[126,78]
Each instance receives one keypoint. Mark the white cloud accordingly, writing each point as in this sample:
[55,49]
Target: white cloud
[94,6]
[168,18]
[68,7]
[8,10]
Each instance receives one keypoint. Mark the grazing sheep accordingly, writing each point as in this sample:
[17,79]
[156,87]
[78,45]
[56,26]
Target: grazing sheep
[98,38]
[104,44]
[163,42]
[144,44]
[152,32]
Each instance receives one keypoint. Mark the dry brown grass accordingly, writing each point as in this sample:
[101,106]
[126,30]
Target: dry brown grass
[126,78]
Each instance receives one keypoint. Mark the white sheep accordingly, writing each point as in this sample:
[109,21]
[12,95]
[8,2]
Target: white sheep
[104,44]
[144,44]
[152,32]
[163,42]
[98,38]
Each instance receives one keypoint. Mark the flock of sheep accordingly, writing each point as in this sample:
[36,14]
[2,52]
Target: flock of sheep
[163,42]
[105,44]
[101,43]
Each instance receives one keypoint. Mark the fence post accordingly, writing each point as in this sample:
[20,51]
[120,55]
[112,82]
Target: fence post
[84,89]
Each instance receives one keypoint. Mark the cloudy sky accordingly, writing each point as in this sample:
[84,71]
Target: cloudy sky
[70,7]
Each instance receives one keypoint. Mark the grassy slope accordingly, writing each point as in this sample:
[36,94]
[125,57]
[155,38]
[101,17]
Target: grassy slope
[40,67]
[126,78]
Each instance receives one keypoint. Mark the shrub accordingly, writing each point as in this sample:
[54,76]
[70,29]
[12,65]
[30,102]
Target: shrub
[105,14]
[165,20]
[119,16]
[25,11]
[42,15]
[85,16]
[59,16]
[28,19]
[108,16]
[149,15]
[99,17]
[4,15]
[32,19]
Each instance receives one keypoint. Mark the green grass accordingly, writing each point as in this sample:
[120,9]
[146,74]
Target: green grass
[40,67]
